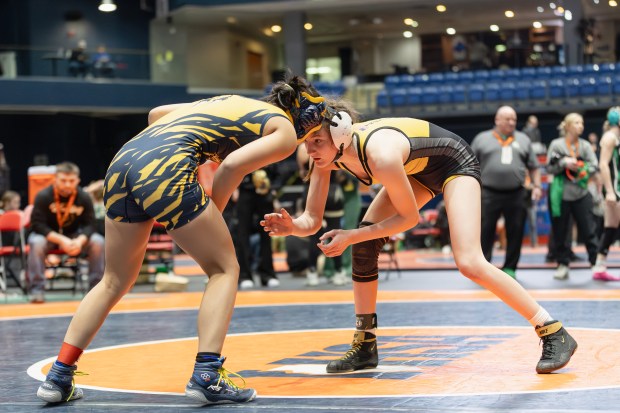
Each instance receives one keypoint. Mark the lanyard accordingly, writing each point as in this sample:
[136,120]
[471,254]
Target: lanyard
[503,142]
[573,152]
[62,219]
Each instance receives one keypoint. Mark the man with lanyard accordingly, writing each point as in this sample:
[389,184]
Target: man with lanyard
[505,154]
[63,218]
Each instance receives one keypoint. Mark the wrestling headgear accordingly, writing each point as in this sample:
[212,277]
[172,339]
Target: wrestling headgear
[307,114]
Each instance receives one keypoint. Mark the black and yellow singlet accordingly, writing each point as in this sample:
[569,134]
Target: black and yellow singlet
[436,155]
[154,175]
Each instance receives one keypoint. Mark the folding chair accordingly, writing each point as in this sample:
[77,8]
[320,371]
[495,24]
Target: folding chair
[12,223]
[67,268]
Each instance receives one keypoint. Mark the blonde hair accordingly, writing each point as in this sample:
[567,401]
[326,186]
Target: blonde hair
[568,120]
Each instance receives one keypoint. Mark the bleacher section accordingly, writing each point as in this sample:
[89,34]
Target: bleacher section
[591,85]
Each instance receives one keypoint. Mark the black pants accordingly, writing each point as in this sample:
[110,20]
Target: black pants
[511,205]
[251,207]
[581,212]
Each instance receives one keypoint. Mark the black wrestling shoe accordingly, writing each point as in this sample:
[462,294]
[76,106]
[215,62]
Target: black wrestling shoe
[558,347]
[362,355]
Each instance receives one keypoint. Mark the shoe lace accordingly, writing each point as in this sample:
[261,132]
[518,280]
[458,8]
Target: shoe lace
[355,347]
[224,377]
[75,373]
[548,347]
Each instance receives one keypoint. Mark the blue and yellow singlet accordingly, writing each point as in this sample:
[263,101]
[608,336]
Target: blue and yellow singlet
[154,175]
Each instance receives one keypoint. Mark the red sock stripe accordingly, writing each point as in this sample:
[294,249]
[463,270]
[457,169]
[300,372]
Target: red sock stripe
[69,354]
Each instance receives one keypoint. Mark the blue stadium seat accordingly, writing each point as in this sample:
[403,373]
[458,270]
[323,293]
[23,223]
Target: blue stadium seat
[588,86]
[616,84]
[398,97]
[607,68]
[478,75]
[507,91]
[575,70]
[512,74]
[492,92]
[604,85]
[538,89]
[543,73]
[496,75]
[391,82]
[556,88]
[436,78]
[414,96]
[445,93]
[572,87]
[528,73]
[559,71]
[475,92]
[459,94]
[451,78]
[430,95]
[421,79]
[383,100]
[522,90]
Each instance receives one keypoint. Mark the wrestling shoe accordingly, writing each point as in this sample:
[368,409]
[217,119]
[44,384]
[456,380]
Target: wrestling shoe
[363,354]
[59,385]
[558,347]
[210,384]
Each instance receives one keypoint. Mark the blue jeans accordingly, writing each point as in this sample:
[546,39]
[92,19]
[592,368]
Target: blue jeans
[40,246]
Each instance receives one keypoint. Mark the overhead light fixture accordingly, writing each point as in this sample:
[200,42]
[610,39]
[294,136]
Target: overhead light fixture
[107,6]
[441,8]
[276,28]
[509,13]
[537,25]
[450,31]
[407,34]
[308,26]
[540,9]
[613,3]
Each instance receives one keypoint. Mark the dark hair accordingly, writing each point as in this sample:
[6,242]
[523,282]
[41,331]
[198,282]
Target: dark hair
[68,168]
[284,92]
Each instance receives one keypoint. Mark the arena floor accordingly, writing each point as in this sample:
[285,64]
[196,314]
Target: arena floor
[445,345]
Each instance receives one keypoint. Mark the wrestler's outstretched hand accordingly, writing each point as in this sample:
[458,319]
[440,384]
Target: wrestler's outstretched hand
[278,224]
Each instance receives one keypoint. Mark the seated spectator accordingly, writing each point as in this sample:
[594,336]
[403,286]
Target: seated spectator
[103,66]
[63,218]
[78,60]
[10,201]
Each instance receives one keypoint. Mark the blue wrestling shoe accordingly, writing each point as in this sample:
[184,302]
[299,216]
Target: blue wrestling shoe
[59,385]
[210,384]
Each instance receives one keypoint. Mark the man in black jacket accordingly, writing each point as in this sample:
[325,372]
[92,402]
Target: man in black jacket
[63,218]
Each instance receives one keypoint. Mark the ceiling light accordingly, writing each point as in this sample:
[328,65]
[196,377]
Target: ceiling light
[540,9]
[537,25]
[552,5]
[613,3]
[408,21]
[568,15]
[494,28]
[377,20]
[308,26]
[231,20]
[509,13]
[107,6]
[276,29]
[500,48]
[450,31]
[595,1]
[441,8]
[407,34]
